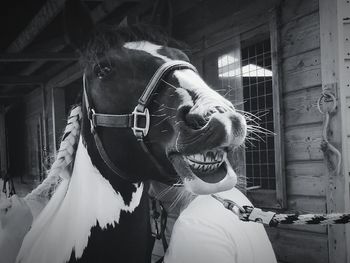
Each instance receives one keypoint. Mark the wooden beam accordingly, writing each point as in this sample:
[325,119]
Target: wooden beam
[40,56]
[43,18]
[3,151]
[332,38]
[21,80]
[74,72]
[11,96]
[66,76]
[98,14]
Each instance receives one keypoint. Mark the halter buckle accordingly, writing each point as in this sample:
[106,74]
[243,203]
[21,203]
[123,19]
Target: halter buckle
[140,132]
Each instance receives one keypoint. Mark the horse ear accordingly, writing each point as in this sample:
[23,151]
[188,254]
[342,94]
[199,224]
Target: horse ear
[78,24]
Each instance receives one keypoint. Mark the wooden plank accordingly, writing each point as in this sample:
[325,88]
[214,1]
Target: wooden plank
[33,103]
[301,35]
[332,40]
[98,14]
[21,80]
[306,204]
[3,145]
[42,56]
[223,28]
[306,178]
[66,76]
[264,198]
[301,80]
[301,107]
[306,228]
[295,246]
[277,109]
[302,62]
[45,15]
[59,113]
[293,10]
[303,143]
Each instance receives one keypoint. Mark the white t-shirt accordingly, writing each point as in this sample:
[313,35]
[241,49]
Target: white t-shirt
[206,232]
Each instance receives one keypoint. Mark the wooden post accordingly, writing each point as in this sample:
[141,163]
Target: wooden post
[333,76]
[3,146]
[281,192]
[58,116]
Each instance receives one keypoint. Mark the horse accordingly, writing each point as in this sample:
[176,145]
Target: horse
[145,114]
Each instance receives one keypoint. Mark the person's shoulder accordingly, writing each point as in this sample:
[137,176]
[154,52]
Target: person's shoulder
[206,206]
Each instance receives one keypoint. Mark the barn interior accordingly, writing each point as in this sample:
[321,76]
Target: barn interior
[275,56]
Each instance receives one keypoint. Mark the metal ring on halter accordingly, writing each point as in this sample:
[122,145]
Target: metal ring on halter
[324,95]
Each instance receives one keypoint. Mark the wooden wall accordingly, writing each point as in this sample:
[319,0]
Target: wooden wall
[33,119]
[305,176]
[299,29]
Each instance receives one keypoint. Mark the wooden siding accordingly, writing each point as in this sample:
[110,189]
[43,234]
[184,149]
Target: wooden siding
[298,246]
[305,176]
[306,182]
[33,114]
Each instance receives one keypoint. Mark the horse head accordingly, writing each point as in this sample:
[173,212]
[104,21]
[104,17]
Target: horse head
[191,129]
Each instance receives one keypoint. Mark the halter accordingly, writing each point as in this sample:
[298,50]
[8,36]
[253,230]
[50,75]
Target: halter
[134,119]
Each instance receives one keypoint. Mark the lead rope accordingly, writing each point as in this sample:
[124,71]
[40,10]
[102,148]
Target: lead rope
[253,214]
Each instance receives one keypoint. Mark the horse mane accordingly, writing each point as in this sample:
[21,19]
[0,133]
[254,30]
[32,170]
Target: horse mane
[105,37]
[62,167]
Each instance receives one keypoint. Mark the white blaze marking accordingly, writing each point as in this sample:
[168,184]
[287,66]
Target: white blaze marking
[189,80]
[78,205]
[148,47]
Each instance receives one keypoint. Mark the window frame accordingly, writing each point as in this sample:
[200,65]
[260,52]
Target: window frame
[212,46]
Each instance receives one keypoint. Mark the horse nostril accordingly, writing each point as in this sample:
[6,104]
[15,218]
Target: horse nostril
[195,121]
[236,121]
[183,111]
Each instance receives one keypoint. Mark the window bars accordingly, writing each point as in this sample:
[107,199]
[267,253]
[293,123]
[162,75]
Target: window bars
[253,74]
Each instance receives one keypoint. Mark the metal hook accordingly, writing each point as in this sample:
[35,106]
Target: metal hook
[324,95]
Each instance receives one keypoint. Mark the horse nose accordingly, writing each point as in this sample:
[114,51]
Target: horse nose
[197,117]
[196,121]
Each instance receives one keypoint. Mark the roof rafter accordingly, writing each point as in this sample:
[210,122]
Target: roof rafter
[45,15]
[21,80]
[38,56]
[98,14]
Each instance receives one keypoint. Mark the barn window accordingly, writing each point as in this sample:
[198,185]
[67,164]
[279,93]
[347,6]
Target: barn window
[244,68]
[254,72]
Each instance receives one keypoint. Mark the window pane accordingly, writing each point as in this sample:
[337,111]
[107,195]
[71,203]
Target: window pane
[254,71]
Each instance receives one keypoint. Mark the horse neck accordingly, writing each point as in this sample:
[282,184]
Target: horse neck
[90,179]
[91,205]
[120,185]
[122,214]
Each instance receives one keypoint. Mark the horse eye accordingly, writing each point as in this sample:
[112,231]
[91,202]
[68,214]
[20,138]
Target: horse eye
[102,70]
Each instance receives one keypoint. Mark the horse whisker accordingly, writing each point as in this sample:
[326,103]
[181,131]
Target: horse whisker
[163,105]
[170,85]
[158,115]
[163,120]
